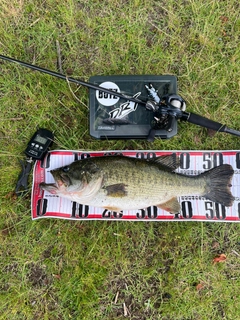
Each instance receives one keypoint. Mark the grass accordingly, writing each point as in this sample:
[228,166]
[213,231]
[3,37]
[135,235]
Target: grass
[55,269]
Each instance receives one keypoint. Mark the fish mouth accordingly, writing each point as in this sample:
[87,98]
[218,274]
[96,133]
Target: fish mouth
[50,187]
[61,179]
[53,187]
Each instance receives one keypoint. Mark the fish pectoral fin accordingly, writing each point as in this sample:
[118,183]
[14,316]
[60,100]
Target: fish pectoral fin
[117,190]
[172,206]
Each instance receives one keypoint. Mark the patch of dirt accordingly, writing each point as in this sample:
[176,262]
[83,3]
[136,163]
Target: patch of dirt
[11,268]
[134,297]
[37,275]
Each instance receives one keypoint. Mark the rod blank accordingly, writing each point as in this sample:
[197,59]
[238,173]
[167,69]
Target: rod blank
[61,76]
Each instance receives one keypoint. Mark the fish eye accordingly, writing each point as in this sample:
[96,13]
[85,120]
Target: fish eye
[66,169]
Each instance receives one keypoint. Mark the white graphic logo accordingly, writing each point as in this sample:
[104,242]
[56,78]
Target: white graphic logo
[125,108]
[107,99]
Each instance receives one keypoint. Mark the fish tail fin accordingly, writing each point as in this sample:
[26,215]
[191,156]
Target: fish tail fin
[218,184]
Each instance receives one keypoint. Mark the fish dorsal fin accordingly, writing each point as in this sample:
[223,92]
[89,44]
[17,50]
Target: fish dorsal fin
[169,162]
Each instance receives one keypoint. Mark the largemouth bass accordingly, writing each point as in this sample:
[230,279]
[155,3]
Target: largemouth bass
[122,183]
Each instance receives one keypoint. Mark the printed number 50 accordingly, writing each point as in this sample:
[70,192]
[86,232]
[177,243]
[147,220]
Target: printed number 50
[215,210]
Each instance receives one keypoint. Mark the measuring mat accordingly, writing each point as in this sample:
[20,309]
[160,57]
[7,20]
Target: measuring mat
[193,208]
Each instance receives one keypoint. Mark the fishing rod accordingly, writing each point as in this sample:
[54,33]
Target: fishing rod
[171,105]
[77,81]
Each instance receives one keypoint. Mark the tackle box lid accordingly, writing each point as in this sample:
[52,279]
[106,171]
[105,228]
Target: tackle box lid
[112,117]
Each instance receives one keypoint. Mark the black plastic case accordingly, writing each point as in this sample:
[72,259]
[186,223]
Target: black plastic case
[117,118]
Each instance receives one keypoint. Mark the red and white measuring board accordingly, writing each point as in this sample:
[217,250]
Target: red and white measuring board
[193,208]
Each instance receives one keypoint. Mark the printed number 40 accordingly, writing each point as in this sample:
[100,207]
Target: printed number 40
[215,210]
